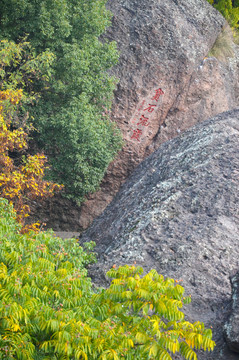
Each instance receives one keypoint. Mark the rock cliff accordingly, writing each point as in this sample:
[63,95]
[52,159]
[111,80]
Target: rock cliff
[163,45]
[178,213]
[166,85]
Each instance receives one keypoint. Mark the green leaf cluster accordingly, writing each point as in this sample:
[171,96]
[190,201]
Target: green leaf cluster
[229,9]
[44,290]
[20,66]
[48,308]
[72,115]
[21,69]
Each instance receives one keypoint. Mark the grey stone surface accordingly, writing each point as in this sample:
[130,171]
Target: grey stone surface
[231,328]
[178,213]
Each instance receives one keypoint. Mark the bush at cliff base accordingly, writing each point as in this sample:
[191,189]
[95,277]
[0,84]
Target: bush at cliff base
[50,311]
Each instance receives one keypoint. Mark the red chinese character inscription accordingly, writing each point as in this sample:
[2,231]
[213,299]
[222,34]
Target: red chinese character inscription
[150,108]
[136,134]
[143,121]
[157,95]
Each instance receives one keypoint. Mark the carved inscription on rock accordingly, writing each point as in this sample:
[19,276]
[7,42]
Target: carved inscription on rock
[140,121]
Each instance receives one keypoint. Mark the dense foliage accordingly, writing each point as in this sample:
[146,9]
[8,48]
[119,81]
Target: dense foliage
[71,116]
[49,310]
[229,9]
[21,177]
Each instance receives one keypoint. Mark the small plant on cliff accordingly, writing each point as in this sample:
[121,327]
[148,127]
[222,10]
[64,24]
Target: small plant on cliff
[49,311]
[223,46]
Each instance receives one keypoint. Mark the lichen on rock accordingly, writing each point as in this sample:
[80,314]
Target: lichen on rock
[178,213]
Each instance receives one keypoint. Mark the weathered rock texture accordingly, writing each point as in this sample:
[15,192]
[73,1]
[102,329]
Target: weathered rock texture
[231,328]
[178,213]
[162,45]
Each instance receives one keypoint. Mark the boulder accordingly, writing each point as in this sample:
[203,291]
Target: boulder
[162,45]
[178,213]
[231,328]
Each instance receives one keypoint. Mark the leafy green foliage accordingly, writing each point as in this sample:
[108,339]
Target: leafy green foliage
[21,177]
[22,70]
[49,310]
[42,285]
[149,307]
[229,9]
[72,114]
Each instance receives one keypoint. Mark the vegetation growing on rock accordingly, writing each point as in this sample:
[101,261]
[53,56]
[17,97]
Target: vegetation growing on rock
[223,47]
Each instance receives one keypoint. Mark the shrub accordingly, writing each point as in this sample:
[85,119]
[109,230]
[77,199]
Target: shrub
[21,177]
[43,290]
[49,310]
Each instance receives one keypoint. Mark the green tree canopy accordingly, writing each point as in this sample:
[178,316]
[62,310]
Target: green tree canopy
[21,177]
[71,117]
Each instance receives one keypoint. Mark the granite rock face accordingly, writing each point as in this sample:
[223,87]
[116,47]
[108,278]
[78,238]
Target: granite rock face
[231,328]
[162,45]
[178,213]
